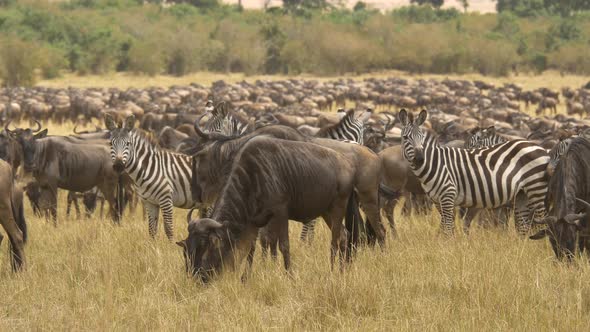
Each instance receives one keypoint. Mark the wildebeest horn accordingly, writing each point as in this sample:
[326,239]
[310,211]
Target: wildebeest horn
[6,127]
[546,220]
[197,126]
[76,132]
[574,218]
[38,127]
[189,216]
[203,225]
[586,204]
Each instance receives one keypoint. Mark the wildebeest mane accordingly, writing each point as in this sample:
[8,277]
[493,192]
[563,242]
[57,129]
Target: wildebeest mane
[571,179]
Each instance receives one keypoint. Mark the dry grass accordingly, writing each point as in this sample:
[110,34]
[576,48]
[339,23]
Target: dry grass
[91,275]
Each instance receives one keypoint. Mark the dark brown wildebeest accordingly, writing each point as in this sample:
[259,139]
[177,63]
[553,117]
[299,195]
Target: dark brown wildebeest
[12,216]
[270,182]
[10,151]
[56,162]
[568,192]
[170,138]
[89,199]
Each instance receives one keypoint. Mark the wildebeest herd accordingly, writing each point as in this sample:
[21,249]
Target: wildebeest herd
[252,156]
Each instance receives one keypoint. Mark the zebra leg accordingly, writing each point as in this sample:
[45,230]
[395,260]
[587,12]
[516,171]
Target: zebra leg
[307,231]
[522,215]
[153,212]
[167,206]
[446,208]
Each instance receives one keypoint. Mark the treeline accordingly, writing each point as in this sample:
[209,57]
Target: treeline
[38,39]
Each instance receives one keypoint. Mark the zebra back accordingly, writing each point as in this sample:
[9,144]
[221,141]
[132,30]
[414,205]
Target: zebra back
[347,129]
[483,137]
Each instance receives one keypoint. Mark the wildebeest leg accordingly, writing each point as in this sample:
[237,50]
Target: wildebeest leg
[166,206]
[470,214]
[269,239]
[283,236]
[153,212]
[339,238]
[70,199]
[77,207]
[108,191]
[369,200]
[14,235]
[389,207]
[250,262]
[102,208]
[53,204]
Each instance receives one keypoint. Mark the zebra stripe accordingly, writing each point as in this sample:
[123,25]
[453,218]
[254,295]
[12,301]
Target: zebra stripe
[350,130]
[223,121]
[161,178]
[481,138]
[485,178]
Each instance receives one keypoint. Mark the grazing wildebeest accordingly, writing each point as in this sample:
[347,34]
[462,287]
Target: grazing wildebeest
[89,199]
[56,162]
[485,178]
[161,178]
[366,163]
[270,182]
[12,216]
[570,181]
[10,150]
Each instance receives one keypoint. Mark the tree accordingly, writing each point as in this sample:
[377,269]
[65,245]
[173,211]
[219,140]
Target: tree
[433,3]
[465,5]
[305,4]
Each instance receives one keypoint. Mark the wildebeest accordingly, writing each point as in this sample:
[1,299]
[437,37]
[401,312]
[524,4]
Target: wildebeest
[570,180]
[12,216]
[56,162]
[271,181]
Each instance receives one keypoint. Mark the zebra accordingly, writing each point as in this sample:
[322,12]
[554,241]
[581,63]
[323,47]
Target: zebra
[556,152]
[485,178]
[483,137]
[224,121]
[348,129]
[161,178]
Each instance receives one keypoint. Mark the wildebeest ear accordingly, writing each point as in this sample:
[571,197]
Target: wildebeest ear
[41,134]
[109,122]
[130,122]
[491,130]
[421,118]
[182,244]
[403,117]
[539,235]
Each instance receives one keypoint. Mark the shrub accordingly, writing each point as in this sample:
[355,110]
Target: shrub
[18,61]
[146,58]
[572,58]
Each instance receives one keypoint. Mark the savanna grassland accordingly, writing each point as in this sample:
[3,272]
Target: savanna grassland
[93,275]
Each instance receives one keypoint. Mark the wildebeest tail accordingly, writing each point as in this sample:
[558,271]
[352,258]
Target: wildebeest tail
[353,222]
[388,193]
[19,217]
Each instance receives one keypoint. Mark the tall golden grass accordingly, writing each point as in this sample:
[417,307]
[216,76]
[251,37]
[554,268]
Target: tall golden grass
[93,275]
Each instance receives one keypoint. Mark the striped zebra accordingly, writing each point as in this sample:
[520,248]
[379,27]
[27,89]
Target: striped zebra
[556,152]
[349,129]
[161,178]
[483,137]
[486,178]
[224,121]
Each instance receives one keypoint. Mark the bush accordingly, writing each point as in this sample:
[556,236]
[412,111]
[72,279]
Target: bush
[146,58]
[571,58]
[18,61]
[52,61]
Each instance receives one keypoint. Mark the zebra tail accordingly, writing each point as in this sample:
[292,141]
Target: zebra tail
[388,193]
[353,222]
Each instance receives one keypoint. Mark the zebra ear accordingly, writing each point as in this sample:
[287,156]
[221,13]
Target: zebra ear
[109,122]
[491,130]
[421,118]
[130,122]
[403,117]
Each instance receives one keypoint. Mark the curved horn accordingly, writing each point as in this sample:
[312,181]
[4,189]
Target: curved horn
[39,127]
[574,219]
[76,132]
[586,204]
[189,216]
[197,127]
[6,126]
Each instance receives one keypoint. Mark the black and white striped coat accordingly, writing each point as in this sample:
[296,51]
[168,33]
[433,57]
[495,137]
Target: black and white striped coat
[486,178]
[161,178]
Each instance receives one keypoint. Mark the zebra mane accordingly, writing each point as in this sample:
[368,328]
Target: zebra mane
[148,137]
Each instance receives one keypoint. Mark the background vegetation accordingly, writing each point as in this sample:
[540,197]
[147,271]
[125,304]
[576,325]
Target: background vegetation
[39,39]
